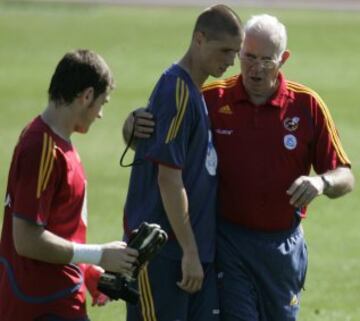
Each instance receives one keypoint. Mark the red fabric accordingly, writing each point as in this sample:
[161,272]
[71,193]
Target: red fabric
[47,186]
[254,143]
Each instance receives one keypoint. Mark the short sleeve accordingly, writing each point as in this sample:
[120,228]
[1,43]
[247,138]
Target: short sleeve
[171,106]
[35,179]
[328,151]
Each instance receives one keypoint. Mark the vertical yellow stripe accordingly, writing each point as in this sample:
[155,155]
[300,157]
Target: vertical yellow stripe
[52,155]
[328,119]
[179,108]
[177,101]
[182,112]
[146,300]
[47,162]
[40,177]
[148,290]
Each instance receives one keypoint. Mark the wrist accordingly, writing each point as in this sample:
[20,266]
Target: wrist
[327,183]
[86,253]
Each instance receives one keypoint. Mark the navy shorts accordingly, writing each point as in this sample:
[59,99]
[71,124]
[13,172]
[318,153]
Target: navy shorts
[260,275]
[162,300]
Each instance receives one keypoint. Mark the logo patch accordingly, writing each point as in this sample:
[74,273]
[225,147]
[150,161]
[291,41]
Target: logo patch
[224,131]
[291,123]
[225,110]
[211,157]
[290,142]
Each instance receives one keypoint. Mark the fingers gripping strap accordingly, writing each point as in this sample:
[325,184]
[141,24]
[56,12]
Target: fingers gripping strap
[86,253]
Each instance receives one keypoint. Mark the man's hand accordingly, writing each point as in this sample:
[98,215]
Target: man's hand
[192,273]
[141,122]
[144,123]
[117,257]
[305,189]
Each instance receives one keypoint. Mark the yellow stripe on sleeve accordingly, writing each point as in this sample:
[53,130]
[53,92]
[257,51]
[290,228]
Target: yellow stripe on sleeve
[181,97]
[146,299]
[46,164]
[328,119]
[42,161]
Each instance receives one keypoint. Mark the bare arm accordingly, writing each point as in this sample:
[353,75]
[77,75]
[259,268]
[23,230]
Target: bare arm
[334,183]
[144,126]
[35,242]
[175,202]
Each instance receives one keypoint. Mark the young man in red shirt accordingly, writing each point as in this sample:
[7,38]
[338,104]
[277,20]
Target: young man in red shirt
[43,255]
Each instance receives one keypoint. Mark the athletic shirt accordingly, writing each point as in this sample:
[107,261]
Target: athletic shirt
[264,149]
[182,140]
[46,186]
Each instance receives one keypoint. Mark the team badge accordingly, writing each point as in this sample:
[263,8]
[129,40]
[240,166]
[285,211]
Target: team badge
[291,123]
[290,142]
[294,300]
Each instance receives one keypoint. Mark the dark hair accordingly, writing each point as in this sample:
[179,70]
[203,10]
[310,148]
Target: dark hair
[218,20]
[76,71]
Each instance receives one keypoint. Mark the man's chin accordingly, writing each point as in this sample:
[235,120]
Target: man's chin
[81,130]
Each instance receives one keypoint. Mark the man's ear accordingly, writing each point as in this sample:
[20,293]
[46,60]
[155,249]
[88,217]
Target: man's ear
[199,37]
[87,96]
[285,56]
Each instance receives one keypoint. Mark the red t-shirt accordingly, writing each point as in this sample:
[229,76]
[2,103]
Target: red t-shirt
[46,186]
[263,149]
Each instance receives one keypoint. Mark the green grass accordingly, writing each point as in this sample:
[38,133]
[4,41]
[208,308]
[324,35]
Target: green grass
[139,43]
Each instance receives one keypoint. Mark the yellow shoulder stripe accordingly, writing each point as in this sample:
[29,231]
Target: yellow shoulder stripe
[328,119]
[182,97]
[46,163]
[224,83]
[146,299]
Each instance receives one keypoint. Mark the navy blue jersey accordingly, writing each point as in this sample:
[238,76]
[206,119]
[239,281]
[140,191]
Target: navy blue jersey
[182,139]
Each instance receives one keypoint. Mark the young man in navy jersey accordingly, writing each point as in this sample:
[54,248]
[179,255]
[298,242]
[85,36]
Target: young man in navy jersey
[174,182]
[268,132]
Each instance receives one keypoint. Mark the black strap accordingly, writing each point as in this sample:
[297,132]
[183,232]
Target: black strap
[136,161]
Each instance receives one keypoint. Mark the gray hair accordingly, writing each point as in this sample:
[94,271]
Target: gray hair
[270,25]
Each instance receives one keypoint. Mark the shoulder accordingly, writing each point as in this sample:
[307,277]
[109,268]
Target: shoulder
[219,86]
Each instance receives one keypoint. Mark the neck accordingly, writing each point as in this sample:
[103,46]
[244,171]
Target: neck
[260,99]
[189,64]
[58,120]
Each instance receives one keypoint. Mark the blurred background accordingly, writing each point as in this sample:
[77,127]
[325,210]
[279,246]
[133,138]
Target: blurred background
[141,38]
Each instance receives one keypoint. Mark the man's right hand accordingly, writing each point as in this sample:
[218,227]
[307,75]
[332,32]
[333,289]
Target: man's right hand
[117,257]
[192,273]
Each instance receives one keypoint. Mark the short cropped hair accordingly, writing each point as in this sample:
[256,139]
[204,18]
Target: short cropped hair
[269,25]
[76,71]
[218,20]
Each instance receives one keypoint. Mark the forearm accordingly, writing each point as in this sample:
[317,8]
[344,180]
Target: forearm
[340,181]
[37,243]
[175,202]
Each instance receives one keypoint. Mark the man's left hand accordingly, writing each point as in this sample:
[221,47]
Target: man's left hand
[305,189]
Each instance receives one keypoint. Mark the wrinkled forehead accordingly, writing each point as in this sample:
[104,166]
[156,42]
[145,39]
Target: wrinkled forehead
[260,44]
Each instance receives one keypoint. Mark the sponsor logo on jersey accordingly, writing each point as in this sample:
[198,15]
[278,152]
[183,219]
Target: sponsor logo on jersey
[290,142]
[291,123]
[224,131]
[225,110]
